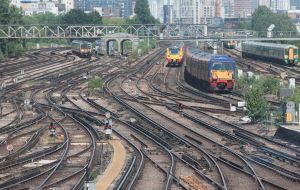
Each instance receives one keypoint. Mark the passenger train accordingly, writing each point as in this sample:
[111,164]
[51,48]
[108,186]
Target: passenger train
[82,48]
[174,55]
[276,53]
[209,72]
[231,44]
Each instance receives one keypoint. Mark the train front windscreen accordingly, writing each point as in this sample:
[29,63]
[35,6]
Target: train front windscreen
[174,51]
[222,66]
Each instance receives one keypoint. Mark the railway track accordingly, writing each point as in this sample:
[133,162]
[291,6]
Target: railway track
[178,149]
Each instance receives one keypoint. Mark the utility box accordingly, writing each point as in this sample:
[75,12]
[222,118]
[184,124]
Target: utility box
[290,112]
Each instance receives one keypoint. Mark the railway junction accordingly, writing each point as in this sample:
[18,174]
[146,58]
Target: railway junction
[107,123]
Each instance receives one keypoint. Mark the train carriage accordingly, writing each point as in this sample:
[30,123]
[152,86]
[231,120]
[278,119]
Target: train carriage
[278,53]
[209,72]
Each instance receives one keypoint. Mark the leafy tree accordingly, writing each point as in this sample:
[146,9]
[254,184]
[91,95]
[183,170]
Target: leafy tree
[9,15]
[270,85]
[75,17]
[257,106]
[142,11]
[79,17]
[296,96]
[263,17]
[94,18]
[116,21]
[244,82]
[42,19]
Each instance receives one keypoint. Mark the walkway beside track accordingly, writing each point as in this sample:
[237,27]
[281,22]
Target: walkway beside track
[114,168]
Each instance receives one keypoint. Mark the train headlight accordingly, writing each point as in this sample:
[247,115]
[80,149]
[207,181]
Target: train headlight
[285,56]
[296,56]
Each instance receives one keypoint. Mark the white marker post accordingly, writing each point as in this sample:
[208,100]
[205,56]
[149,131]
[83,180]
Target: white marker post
[108,125]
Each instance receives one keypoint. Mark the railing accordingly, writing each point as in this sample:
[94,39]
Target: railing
[159,31]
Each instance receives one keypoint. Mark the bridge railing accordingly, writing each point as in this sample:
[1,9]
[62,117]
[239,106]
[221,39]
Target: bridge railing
[95,31]
[159,31]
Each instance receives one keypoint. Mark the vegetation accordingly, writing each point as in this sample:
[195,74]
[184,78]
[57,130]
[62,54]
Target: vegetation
[296,96]
[42,19]
[95,83]
[79,17]
[257,106]
[114,21]
[142,11]
[263,17]
[255,93]
[9,15]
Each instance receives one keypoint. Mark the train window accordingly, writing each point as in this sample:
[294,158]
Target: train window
[295,51]
[285,51]
[85,46]
[222,66]
[174,51]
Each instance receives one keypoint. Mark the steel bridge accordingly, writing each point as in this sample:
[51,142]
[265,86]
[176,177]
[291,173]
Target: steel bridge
[162,32]
[98,31]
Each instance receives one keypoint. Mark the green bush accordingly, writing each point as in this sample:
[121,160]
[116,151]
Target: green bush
[256,104]
[95,83]
[296,96]
[270,85]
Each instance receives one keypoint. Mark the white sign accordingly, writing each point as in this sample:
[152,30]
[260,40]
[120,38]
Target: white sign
[241,104]
[250,74]
[107,115]
[232,108]
[108,131]
[9,147]
[240,73]
[292,83]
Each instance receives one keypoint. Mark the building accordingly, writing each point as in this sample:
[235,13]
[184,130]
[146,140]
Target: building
[295,4]
[279,5]
[30,7]
[228,6]
[153,5]
[69,5]
[266,3]
[242,8]
[112,8]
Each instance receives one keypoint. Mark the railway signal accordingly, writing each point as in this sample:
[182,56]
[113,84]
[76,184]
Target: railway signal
[52,129]
[108,126]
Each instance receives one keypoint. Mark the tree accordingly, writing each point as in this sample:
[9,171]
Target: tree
[270,85]
[42,19]
[79,17]
[115,21]
[263,17]
[9,15]
[256,104]
[94,18]
[142,11]
[75,17]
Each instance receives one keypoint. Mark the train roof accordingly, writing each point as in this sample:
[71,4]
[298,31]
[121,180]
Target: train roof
[271,44]
[205,55]
[80,42]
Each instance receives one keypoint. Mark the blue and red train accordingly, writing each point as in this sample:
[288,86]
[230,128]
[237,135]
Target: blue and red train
[209,72]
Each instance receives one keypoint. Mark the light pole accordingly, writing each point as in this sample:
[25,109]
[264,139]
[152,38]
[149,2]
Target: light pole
[148,39]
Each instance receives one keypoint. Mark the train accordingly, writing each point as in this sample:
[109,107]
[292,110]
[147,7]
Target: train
[231,44]
[174,55]
[276,53]
[209,72]
[82,48]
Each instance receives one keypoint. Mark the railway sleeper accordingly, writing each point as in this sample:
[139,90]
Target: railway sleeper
[13,181]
